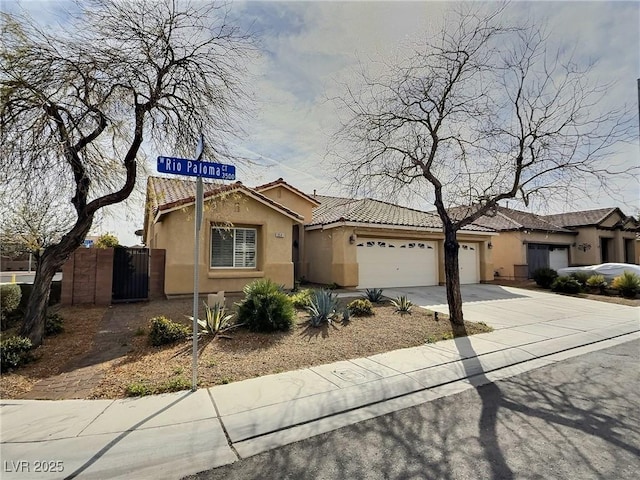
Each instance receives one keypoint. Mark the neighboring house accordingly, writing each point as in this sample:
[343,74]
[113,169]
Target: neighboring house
[528,241]
[603,235]
[276,231]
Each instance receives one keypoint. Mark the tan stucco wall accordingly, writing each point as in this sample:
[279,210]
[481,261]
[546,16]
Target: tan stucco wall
[591,236]
[175,233]
[510,249]
[291,200]
[319,255]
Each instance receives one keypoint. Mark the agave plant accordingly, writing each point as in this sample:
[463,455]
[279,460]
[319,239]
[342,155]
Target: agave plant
[216,320]
[402,305]
[322,308]
[374,295]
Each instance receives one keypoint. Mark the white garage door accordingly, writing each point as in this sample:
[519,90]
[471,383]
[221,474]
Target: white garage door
[558,257]
[384,262]
[469,262]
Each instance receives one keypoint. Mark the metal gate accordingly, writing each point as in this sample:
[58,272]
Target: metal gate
[130,274]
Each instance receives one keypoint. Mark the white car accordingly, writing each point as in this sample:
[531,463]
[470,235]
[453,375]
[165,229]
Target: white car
[608,270]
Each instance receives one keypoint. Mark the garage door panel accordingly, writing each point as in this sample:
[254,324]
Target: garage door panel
[469,263]
[396,263]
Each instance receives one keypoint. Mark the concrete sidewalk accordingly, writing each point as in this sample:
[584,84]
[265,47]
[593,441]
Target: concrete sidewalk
[169,436]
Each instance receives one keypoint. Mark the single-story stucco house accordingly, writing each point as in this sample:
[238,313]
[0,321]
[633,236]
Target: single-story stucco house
[276,231]
[528,241]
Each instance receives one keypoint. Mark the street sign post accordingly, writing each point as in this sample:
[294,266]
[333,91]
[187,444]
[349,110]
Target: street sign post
[196,168]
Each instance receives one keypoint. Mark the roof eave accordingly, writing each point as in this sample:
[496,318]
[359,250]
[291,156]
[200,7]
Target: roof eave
[346,223]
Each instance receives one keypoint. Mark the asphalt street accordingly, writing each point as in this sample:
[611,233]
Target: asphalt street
[576,419]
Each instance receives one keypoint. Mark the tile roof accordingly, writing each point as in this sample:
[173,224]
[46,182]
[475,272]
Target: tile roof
[582,218]
[507,219]
[367,210]
[168,193]
[280,181]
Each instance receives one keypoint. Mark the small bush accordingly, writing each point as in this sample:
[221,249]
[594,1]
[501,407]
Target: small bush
[374,295]
[163,331]
[10,295]
[566,284]
[301,299]
[597,282]
[402,305]
[361,307]
[14,352]
[137,389]
[266,308]
[322,308]
[53,324]
[142,388]
[346,315]
[628,284]
[581,277]
[544,277]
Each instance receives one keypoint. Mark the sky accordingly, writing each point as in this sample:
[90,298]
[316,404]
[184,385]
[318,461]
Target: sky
[310,50]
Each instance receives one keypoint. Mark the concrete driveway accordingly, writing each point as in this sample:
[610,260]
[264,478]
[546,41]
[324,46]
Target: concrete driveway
[508,307]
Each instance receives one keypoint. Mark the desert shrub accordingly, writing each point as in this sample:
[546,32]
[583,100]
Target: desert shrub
[322,308]
[163,331]
[301,299]
[360,307]
[581,277]
[53,324]
[138,389]
[346,315]
[597,282]
[544,277]
[266,308]
[10,295]
[402,305]
[374,295]
[14,352]
[566,284]
[628,284]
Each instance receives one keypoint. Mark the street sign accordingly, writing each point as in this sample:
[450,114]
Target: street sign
[195,168]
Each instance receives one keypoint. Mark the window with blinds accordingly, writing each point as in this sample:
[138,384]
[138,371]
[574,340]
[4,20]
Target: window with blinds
[233,248]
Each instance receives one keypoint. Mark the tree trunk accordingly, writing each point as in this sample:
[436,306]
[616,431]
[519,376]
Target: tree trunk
[34,317]
[51,260]
[452,277]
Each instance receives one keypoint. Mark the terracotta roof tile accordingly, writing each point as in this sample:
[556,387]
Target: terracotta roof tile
[507,219]
[367,210]
[581,218]
[280,181]
[167,193]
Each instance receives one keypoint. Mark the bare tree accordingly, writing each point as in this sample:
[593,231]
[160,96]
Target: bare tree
[77,105]
[33,220]
[480,113]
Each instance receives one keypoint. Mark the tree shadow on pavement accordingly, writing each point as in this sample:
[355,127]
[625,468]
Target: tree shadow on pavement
[535,425]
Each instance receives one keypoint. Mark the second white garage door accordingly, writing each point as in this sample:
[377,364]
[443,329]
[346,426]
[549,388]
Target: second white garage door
[469,263]
[396,263]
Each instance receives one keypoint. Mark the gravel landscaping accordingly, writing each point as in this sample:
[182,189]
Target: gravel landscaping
[238,355]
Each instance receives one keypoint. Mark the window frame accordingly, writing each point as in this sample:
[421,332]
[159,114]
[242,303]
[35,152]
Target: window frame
[234,237]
